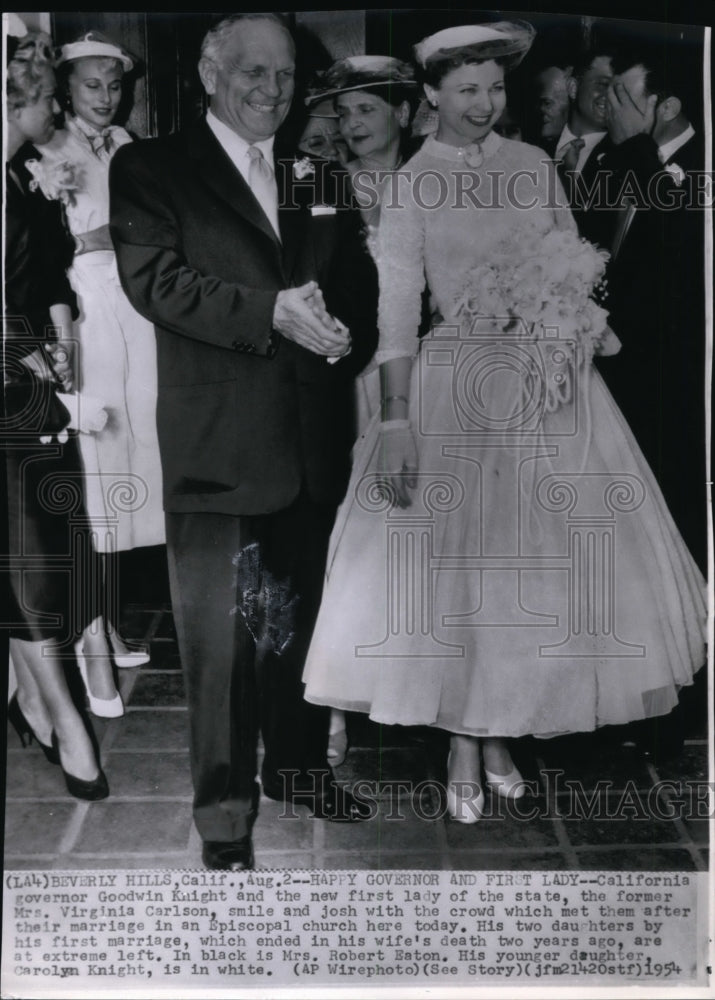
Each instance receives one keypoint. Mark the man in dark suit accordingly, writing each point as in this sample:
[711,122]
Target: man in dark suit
[584,138]
[655,297]
[216,245]
[655,281]
[552,99]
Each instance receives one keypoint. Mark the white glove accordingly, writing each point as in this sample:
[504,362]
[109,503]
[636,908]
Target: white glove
[397,458]
[87,414]
[610,344]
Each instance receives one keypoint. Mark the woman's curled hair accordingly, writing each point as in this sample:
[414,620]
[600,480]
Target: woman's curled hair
[27,70]
[436,69]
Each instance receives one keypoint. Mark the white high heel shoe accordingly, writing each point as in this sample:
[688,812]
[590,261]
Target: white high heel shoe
[508,786]
[105,708]
[463,809]
[135,657]
[337,747]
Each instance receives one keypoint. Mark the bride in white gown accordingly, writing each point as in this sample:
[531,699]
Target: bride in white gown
[504,563]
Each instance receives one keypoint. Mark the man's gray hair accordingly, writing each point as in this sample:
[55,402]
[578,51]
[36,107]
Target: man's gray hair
[216,37]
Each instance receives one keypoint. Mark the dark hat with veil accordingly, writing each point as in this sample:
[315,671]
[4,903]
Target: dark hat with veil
[359,73]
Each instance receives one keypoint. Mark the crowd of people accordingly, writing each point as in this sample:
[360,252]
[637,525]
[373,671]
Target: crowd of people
[415,451]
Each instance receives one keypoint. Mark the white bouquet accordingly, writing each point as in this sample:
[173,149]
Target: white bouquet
[541,286]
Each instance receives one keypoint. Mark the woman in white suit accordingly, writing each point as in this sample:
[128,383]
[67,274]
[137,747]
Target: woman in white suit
[117,350]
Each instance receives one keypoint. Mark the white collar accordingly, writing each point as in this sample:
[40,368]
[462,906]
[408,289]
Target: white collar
[487,146]
[668,148]
[78,124]
[590,138]
[234,144]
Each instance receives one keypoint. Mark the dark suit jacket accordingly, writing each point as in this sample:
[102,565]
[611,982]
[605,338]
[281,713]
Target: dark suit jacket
[587,192]
[245,417]
[655,297]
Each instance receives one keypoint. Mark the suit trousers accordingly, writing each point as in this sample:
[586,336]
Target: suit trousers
[245,593]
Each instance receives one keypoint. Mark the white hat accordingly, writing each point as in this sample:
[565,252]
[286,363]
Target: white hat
[95,44]
[504,38]
[15,25]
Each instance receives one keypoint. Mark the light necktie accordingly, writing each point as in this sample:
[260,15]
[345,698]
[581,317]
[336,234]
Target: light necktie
[263,184]
[571,152]
[101,141]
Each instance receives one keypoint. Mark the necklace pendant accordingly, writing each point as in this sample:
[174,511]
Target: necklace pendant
[473,155]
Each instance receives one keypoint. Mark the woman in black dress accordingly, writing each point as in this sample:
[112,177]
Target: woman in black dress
[51,561]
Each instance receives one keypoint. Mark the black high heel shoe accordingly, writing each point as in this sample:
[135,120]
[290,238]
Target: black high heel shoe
[91,791]
[23,728]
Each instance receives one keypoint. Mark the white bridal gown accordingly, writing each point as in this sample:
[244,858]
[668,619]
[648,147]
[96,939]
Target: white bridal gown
[537,583]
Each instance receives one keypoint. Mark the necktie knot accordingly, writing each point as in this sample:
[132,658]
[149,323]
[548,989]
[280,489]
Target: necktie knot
[571,152]
[258,160]
[101,141]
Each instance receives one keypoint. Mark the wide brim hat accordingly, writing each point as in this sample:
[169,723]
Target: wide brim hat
[511,39]
[359,72]
[320,107]
[95,44]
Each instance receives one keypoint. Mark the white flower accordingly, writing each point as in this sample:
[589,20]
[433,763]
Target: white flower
[676,172]
[546,282]
[303,168]
[58,181]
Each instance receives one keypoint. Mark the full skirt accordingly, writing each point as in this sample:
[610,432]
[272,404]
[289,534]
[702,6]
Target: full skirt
[537,583]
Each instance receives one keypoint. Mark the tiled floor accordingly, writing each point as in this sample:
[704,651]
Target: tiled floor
[596,804]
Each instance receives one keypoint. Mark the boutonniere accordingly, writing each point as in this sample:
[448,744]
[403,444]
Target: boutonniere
[303,168]
[676,172]
[58,181]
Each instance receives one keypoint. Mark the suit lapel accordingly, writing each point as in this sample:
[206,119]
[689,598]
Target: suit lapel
[292,215]
[593,162]
[217,170]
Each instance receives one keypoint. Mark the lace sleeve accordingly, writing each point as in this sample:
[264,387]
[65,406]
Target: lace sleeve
[401,268]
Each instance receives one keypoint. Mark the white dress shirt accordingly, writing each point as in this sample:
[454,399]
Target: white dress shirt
[590,140]
[236,149]
[668,149]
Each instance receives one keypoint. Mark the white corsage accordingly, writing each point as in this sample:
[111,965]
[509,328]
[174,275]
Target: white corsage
[58,181]
[303,168]
[676,172]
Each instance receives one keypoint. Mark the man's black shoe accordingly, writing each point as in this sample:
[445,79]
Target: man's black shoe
[339,806]
[324,798]
[661,738]
[228,855]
